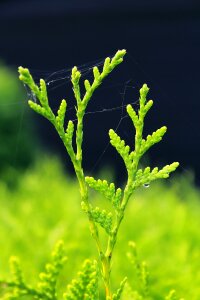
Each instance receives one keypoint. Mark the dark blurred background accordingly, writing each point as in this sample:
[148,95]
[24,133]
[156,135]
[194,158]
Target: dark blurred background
[162,39]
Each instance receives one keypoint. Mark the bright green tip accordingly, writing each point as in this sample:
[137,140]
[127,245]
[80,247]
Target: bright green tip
[128,107]
[110,132]
[20,68]
[122,52]
[144,88]
[23,71]
[176,164]
[74,69]
[164,128]
[150,102]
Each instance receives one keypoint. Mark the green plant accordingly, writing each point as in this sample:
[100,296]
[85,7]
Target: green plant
[136,177]
[141,279]
[46,286]
[17,149]
[85,287]
[73,138]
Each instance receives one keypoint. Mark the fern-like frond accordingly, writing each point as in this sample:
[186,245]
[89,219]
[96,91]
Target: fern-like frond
[121,148]
[147,175]
[48,278]
[118,294]
[141,270]
[46,288]
[108,66]
[60,119]
[132,157]
[85,287]
[173,296]
[101,217]
[107,190]
[152,139]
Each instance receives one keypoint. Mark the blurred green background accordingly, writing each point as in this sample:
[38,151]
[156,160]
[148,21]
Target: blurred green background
[18,141]
[40,204]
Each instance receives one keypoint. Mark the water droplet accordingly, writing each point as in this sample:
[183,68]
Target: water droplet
[146,185]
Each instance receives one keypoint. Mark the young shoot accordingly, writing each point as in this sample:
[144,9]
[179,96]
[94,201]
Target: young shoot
[118,197]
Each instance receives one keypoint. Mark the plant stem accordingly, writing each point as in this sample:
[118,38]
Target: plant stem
[84,198]
[113,239]
[105,261]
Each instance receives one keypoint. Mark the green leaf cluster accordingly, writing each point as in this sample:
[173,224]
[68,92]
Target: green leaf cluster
[107,190]
[46,287]
[118,294]
[86,285]
[43,108]
[141,281]
[72,137]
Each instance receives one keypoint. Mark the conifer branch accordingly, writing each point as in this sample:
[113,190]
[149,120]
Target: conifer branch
[72,137]
[46,287]
[86,285]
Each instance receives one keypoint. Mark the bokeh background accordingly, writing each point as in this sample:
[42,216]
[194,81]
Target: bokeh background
[39,197]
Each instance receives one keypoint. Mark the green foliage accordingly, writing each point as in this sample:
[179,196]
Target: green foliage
[119,198]
[86,285]
[44,109]
[136,177]
[95,216]
[40,212]
[46,287]
[141,272]
[146,175]
[172,296]
[107,190]
[118,294]
[17,141]
[142,289]
[48,278]
[100,217]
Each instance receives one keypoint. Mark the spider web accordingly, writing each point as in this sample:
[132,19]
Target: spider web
[61,80]
[56,80]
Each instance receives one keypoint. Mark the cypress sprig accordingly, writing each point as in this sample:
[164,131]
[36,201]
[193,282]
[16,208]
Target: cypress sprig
[141,281]
[121,148]
[48,278]
[118,294]
[61,114]
[46,287]
[172,296]
[16,271]
[141,270]
[146,176]
[72,137]
[70,133]
[101,217]
[132,157]
[85,287]
[108,66]
[107,190]
[152,139]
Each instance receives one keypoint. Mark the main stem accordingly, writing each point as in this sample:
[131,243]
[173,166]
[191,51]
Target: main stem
[94,231]
[113,237]
[84,196]
[112,241]
[106,257]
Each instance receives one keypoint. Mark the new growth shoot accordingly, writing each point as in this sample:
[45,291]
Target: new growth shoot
[109,221]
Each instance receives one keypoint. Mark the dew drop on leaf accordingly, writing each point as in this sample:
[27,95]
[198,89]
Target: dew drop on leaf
[146,185]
